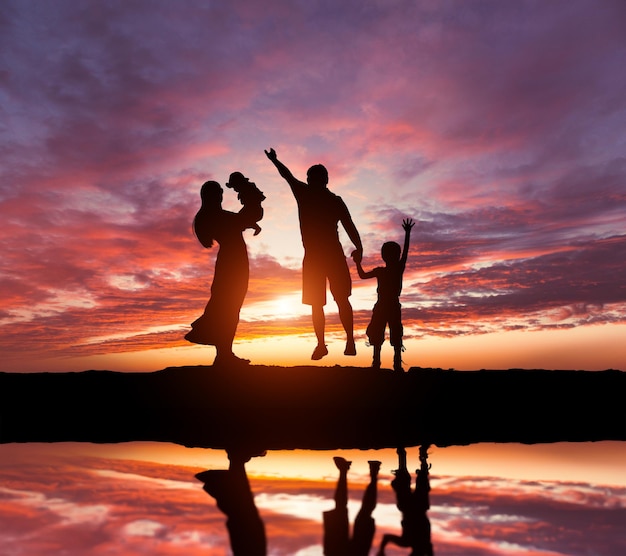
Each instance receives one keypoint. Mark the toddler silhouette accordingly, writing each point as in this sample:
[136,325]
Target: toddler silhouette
[387,310]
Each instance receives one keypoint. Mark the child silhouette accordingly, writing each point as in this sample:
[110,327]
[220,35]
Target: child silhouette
[247,193]
[387,310]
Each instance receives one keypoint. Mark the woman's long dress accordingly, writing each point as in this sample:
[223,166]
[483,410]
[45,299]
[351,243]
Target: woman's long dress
[218,324]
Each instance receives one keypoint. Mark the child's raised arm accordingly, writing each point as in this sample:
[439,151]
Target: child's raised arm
[407,224]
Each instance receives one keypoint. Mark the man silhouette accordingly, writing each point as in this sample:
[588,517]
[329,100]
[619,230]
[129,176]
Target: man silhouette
[337,540]
[320,212]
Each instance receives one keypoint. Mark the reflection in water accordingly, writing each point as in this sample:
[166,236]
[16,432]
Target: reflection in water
[142,497]
[231,490]
[337,541]
[413,505]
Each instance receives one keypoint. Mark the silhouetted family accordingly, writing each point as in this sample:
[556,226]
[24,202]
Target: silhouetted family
[320,212]
[233,495]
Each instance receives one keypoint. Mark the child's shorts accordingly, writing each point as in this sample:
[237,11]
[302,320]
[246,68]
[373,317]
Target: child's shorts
[383,315]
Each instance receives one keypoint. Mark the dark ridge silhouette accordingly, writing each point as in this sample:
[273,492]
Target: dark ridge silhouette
[319,408]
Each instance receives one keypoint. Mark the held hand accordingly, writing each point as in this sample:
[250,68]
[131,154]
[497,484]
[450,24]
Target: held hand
[357,256]
[407,224]
[271,154]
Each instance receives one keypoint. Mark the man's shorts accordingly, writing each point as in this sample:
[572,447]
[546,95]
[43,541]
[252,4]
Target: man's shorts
[316,269]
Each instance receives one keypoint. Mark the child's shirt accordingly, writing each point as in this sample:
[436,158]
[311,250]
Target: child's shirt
[389,283]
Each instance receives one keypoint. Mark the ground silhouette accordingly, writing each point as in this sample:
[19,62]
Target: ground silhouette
[309,407]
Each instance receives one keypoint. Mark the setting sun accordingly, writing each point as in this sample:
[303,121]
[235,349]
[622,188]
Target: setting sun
[279,308]
[287,306]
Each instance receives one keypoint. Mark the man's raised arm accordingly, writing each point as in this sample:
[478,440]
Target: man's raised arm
[282,169]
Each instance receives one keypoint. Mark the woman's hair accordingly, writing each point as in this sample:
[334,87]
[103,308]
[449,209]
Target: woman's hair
[211,195]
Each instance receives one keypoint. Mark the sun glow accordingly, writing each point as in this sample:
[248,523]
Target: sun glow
[282,307]
[287,305]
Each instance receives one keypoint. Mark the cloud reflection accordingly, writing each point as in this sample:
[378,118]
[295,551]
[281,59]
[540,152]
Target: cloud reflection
[91,505]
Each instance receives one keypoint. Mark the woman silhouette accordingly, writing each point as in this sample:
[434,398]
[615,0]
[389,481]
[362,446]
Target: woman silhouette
[218,324]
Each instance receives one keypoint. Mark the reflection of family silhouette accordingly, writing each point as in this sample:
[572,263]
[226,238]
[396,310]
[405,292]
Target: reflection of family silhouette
[413,504]
[233,495]
[320,212]
[337,539]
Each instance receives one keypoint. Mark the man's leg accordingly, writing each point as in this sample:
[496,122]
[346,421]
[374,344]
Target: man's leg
[336,525]
[314,294]
[364,525]
[319,325]
[370,495]
[340,284]
[341,490]
[347,320]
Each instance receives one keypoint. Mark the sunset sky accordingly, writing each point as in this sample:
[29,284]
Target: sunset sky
[497,126]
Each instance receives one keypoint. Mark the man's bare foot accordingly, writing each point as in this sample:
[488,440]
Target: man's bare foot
[320,351]
[230,359]
[342,463]
[350,348]
[244,455]
[374,467]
